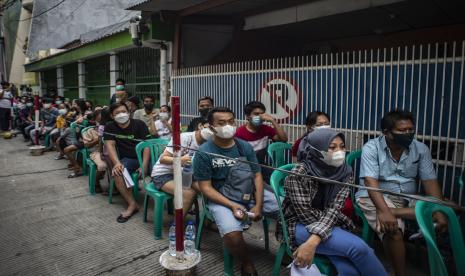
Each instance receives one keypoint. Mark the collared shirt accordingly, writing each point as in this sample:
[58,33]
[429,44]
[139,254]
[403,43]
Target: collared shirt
[397,176]
[140,114]
[297,207]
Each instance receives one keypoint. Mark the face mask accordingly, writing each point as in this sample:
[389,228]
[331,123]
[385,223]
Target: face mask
[403,140]
[256,121]
[206,133]
[204,111]
[164,116]
[225,132]
[333,159]
[122,118]
[322,127]
[62,111]
[58,102]
[148,106]
[29,104]
[119,87]
[47,105]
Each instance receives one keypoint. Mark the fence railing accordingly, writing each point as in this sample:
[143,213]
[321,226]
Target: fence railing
[356,89]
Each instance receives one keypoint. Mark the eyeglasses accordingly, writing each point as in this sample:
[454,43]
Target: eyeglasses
[407,131]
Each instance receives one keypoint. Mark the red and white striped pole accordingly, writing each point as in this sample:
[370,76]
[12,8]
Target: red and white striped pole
[37,113]
[177,171]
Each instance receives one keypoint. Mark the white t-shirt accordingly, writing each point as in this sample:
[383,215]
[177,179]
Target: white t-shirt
[162,130]
[5,102]
[187,141]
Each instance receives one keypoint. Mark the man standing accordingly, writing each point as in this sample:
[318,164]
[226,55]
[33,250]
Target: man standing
[204,104]
[5,107]
[232,188]
[119,87]
[395,161]
[121,137]
[148,114]
[259,134]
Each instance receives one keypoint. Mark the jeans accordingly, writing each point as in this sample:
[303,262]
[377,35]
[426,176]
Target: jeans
[227,222]
[346,251]
[5,114]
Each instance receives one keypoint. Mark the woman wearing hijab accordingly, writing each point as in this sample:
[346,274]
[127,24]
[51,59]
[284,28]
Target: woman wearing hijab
[312,208]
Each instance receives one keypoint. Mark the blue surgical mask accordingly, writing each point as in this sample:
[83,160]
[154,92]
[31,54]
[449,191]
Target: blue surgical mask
[119,87]
[256,121]
[58,102]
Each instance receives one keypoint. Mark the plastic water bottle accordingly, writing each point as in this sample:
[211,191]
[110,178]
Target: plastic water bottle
[187,173]
[172,239]
[189,238]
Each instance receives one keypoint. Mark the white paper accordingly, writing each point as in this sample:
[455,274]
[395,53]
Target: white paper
[127,178]
[303,271]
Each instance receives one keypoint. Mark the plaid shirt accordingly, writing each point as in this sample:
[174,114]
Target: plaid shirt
[297,208]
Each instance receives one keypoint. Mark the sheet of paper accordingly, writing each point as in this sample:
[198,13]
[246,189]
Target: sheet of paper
[298,271]
[128,179]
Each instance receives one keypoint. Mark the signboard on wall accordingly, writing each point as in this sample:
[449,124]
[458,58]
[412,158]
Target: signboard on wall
[281,98]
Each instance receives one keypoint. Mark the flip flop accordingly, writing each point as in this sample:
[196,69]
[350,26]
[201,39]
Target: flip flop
[73,175]
[122,219]
[59,157]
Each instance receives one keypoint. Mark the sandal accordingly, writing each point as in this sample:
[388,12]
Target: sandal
[122,219]
[59,157]
[74,174]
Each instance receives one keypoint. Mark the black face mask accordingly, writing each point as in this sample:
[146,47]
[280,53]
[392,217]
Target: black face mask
[403,140]
[204,111]
[148,106]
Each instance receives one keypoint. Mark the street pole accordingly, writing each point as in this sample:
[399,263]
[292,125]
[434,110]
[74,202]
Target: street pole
[177,171]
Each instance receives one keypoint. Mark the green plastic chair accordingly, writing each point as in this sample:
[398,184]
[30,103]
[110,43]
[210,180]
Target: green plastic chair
[156,146]
[276,153]
[228,264]
[277,183]
[92,175]
[367,233]
[424,212]
[84,152]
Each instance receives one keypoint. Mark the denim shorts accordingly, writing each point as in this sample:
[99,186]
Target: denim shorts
[130,164]
[161,180]
[227,222]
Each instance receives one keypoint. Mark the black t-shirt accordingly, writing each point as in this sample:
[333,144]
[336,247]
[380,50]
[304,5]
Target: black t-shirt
[124,143]
[194,123]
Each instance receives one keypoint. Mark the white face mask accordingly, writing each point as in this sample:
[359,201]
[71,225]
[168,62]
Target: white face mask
[225,132]
[62,111]
[206,133]
[321,127]
[122,118]
[163,116]
[334,159]
[47,105]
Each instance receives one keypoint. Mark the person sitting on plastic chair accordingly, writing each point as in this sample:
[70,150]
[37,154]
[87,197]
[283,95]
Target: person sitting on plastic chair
[313,209]
[232,188]
[394,161]
[124,134]
[162,173]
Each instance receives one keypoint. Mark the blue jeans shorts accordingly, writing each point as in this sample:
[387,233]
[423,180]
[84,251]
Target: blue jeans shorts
[160,180]
[130,164]
[226,221]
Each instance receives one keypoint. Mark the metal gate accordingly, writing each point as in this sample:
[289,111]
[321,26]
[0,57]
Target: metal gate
[140,68]
[356,89]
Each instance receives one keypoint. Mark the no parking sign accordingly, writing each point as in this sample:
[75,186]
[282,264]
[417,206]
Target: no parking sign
[281,98]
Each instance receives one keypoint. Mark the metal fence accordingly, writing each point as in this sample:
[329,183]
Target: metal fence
[140,68]
[355,88]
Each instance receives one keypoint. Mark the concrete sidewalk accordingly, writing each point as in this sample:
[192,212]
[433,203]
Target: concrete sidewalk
[51,225]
